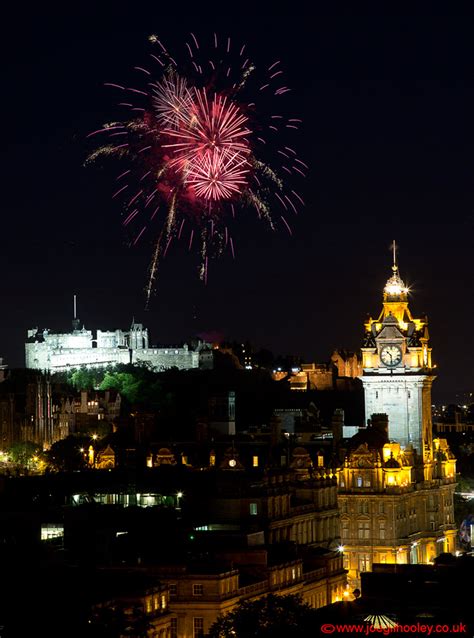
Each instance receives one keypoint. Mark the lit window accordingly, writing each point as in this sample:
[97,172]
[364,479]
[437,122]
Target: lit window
[359,481]
[363,529]
[253,509]
[163,601]
[51,531]
[255,461]
[198,589]
[382,530]
[364,562]
[198,626]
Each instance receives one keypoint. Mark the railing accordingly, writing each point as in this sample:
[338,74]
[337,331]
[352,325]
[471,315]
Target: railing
[315,574]
[302,509]
[256,588]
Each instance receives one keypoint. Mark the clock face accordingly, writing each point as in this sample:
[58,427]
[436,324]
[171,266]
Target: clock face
[391,355]
[232,462]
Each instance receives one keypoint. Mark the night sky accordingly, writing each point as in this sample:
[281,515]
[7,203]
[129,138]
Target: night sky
[387,101]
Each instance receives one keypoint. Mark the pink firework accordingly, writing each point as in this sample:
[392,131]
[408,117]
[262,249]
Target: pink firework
[217,175]
[172,100]
[205,137]
[208,125]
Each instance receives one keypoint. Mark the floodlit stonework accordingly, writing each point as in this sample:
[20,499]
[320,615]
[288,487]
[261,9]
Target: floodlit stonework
[397,484]
[59,352]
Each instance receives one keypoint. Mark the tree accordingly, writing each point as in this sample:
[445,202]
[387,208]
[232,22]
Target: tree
[22,453]
[69,454]
[86,378]
[138,384]
[268,617]
[126,383]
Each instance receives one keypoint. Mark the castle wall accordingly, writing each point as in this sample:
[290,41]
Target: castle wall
[163,358]
[61,352]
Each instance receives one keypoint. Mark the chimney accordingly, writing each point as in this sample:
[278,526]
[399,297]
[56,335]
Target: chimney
[380,422]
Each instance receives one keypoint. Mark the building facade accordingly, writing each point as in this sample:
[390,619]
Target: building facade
[396,485]
[59,352]
[270,532]
[200,594]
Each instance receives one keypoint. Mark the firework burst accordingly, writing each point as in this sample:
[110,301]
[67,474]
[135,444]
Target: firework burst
[199,140]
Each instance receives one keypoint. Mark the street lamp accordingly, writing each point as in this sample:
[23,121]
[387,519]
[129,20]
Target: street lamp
[178,496]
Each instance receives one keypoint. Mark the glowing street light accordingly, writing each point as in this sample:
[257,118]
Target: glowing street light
[178,496]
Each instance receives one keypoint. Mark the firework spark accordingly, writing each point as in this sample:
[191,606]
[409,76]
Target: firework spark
[210,125]
[171,99]
[217,175]
[195,147]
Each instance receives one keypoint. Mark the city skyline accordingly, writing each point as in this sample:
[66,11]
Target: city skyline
[388,135]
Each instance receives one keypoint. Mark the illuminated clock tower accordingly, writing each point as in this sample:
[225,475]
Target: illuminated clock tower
[397,369]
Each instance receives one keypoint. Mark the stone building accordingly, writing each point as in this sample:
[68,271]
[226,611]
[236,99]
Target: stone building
[59,352]
[90,409]
[201,593]
[105,459]
[396,485]
[296,505]
[348,364]
[336,375]
[136,610]
[261,532]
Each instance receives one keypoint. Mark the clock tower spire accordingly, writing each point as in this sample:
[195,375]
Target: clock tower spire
[397,369]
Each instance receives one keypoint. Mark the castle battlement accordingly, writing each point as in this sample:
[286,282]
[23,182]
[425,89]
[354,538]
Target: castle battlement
[59,352]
